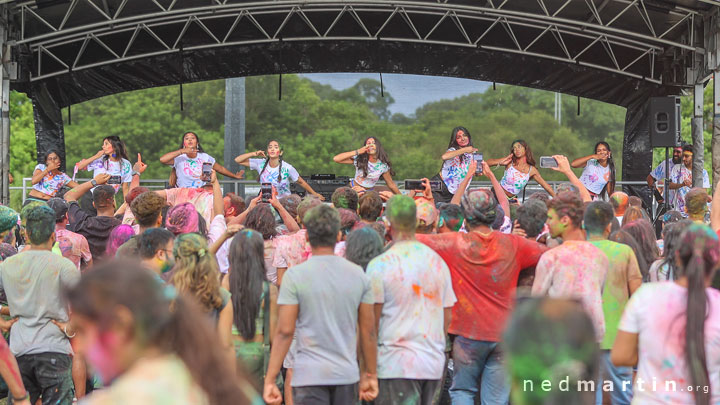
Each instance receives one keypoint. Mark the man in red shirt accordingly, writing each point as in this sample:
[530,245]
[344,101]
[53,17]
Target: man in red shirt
[484,267]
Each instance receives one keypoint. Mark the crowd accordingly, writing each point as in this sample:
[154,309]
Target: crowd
[189,296]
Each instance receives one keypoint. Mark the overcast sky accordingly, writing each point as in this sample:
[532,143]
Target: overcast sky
[409,91]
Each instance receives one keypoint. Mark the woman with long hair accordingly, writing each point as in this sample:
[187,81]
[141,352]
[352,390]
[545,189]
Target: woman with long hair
[48,180]
[273,169]
[363,245]
[254,301]
[642,231]
[519,169]
[196,273]
[598,175]
[669,330]
[456,163]
[371,162]
[665,267]
[148,344]
[112,159]
[187,162]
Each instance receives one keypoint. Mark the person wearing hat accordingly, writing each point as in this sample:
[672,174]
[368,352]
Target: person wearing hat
[73,246]
[8,221]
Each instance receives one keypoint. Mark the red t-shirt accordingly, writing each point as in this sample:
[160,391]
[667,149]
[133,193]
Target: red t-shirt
[484,271]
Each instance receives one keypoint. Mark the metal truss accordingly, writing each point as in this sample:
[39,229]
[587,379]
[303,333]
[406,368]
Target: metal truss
[621,36]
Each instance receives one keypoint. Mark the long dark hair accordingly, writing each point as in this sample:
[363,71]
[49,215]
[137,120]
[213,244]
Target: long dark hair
[699,254]
[624,237]
[528,152]
[363,245]
[280,158]
[671,244]
[644,235]
[197,138]
[247,276]
[363,159]
[118,149]
[47,155]
[261,219]
[453,140]
[184,330]
[611,164]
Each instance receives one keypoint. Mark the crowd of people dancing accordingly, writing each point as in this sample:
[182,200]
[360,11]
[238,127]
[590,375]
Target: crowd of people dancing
[190,296]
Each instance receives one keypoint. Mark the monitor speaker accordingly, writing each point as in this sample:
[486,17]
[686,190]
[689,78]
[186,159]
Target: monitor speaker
[665,122]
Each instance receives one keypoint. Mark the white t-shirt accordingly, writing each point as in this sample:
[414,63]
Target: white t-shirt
[679,174]
[413,284]
[453,170]
[375,170]
[123,168]
[189,171]
[594,177]
[656,312]
[271,175]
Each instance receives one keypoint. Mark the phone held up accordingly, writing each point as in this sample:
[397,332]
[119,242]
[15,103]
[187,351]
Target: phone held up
[416,185]
[266,192]
[478,158]
[547,162]
[114,180]
[207,171]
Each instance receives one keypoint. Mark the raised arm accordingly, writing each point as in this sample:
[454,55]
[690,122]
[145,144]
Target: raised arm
[81,165]
[502,161]
[309,189]
[287,219]
[564,168]
[241,218]
[347,157]
[581,162]
[77,192]
[390,183]
[464,184]
[138,168]
[499,191]
[168,158]
[227,173]
[218,203]
[244,159]
[38,174]
[535,174]
[453,153]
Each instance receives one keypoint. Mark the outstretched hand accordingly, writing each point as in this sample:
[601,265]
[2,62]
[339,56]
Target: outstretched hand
[139,166]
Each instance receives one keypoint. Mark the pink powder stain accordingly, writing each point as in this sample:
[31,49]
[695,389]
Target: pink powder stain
[100,356]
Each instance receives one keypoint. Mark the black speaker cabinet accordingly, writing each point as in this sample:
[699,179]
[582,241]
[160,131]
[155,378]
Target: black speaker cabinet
[665,122]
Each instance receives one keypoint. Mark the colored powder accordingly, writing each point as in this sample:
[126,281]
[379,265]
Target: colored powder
[182,218]
[8,218]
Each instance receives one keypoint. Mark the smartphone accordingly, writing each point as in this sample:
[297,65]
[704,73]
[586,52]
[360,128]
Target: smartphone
[414,185]
[547,162]
[115,180]
[266,192]
[435,185]
[206,171]
[478,158]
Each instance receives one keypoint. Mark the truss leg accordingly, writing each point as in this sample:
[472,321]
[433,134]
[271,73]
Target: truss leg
[697,137]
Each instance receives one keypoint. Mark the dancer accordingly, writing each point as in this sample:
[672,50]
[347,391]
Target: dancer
[519,169]
[111,159]
[274,170]
[48,180]
[187,163]
[456,163]
[370,163]
[598,177]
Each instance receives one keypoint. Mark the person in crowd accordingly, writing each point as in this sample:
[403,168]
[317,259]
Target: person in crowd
[670,217]
[656,178]
[575,269]
[118,237]
[290,203]
[633,214]
[72,245]
[147,211]
[293,249]
[531,218]
[665,267]
[676,323]
[484,265]
[184,218]
[134,193]
[254,302]
[363,245]
[8,224]
[96,229]
[641,230]
[345,197]
[635,201]
[550,339]
[32,281]
[155,248]
[681,180]
[598,175]
[503,223]
[371,162]
[381,230]
[696,204]
[233,205]
[519,169]
[413,296]
[112,160]
[370,207]
[149,352]
[450,218]
[329,325]
[348,221]
[620,203]
[196,273]
[456,164]
[623,278]
[187,162]
[427,216]
[47,179]
[274,170]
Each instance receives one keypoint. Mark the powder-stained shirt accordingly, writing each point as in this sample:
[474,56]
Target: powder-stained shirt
[328,291]
[200,198]
[374,170]
[623,268]
[51,183]
[575,269]
[413,284]
[281,181]
[594,177]
[33,281]
[96,229]
[73,246]
[656,312]
[679,174]
[484,271]
[454,170]
[291,250]
[123,168]
[189,170]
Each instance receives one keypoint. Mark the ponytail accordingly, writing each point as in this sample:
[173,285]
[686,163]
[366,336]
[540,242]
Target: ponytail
[695,326]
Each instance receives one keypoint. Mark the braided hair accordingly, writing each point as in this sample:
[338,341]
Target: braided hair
[611,164]
[267,160]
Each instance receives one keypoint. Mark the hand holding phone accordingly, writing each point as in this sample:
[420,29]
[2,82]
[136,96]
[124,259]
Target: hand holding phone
[114,180]
[478,158]
[206,171]
[266,192]
[547,162]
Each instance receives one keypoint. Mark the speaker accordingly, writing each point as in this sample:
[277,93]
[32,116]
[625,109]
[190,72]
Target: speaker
[665,122]
[323,184]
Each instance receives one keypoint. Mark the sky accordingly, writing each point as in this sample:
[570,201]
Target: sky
[409,91]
